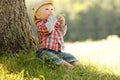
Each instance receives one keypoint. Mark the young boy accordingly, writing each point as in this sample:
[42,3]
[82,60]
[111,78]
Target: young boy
[51,30]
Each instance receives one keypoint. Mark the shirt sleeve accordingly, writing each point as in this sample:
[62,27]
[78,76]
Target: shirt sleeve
[41,27]
[64,29]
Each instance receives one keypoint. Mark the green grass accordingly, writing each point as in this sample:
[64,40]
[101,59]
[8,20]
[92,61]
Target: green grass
[24,66]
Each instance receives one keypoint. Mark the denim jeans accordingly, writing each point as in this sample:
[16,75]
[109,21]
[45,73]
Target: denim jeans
[57,57]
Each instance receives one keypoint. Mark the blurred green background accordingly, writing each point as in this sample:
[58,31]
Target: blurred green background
[90,19]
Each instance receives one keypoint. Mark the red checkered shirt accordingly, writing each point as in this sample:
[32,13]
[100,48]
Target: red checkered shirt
[53,40]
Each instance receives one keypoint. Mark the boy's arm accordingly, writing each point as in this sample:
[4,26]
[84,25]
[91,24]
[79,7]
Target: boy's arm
[63,26]
[64,29]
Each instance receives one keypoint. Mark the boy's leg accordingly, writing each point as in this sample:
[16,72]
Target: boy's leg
[77,63]
[66,64]
[69,58]
[59,61]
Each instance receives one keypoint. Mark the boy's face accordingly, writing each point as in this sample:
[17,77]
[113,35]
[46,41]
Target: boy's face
[44,12]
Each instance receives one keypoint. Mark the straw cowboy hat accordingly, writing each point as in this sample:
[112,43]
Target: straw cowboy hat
[33,5]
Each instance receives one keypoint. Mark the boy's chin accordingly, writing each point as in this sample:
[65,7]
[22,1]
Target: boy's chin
[43,18]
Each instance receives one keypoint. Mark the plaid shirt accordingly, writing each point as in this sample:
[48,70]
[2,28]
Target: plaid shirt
[53,40]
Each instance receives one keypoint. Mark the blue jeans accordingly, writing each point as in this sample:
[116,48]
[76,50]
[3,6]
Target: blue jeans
[57,57]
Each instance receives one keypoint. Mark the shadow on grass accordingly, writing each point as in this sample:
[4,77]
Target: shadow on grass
[28,67]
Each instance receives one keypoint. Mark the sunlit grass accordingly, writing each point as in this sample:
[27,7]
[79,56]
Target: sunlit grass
[98,62]
[104,54]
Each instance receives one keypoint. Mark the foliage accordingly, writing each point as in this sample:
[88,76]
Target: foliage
[24,66]
[94,19]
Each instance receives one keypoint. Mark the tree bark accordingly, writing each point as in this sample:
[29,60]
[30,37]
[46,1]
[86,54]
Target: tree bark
[15,31]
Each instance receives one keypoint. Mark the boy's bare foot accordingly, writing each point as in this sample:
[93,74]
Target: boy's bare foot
[77,63]
[67,65]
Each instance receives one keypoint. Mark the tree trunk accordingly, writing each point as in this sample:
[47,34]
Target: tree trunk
[15,32]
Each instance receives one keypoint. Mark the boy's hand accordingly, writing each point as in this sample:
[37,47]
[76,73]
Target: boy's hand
[61,20]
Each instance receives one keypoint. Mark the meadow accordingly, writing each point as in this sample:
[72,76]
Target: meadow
[100,60]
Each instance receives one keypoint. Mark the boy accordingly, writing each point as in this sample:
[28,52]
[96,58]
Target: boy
[50,32]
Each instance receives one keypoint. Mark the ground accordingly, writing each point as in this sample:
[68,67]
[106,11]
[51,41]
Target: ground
[104,52]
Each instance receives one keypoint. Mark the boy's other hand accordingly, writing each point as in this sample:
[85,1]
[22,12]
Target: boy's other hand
[61,20]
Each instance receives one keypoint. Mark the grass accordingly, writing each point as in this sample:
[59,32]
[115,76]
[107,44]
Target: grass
[24,66]
[102,53]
